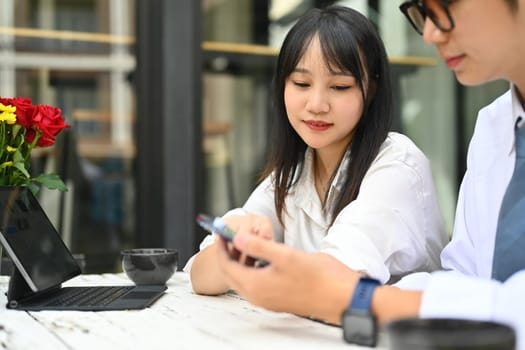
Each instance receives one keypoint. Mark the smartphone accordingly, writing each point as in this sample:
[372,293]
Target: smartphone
[218,226]
[215,225]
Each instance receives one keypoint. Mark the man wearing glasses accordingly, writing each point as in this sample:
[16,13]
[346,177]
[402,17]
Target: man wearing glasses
[480,41]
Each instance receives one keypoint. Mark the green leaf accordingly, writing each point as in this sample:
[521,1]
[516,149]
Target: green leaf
[17,156]
[21,167]
[51,181]
[33,187]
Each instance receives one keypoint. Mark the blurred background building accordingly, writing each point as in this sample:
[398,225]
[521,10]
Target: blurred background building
[168,100]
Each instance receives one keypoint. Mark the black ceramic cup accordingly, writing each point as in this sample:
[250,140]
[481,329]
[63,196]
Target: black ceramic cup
[150,266]
[445,333]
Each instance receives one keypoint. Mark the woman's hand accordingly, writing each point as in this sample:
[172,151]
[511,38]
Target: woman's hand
[258,225]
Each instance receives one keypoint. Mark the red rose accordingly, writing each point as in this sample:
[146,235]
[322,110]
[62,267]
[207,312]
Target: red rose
[43,141]
[49,121]
[24,110]
[46,119]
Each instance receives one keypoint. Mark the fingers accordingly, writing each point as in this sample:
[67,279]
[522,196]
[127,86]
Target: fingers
[237,255]
[261,248]
[265,228]
[233,252]
[259,225]
[249,261]
[235,274]
[250,223]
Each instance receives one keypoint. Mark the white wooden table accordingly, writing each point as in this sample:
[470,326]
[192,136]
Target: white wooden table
[179,320]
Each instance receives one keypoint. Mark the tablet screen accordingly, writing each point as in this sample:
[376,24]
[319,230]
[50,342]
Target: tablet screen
[32,242]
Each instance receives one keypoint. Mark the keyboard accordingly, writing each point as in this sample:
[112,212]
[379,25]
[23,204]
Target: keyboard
[88,296]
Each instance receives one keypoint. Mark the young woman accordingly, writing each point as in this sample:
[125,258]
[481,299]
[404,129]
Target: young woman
[337,182]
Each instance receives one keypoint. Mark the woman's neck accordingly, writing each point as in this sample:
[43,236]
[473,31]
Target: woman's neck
[325,166]
[326,163]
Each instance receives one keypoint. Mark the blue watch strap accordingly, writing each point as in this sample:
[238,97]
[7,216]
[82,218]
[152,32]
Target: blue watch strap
[363,294]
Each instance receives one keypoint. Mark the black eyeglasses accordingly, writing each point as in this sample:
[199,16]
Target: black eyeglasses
[437,10]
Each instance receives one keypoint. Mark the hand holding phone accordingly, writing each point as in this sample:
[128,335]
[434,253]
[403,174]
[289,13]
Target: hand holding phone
[218,226]
[215,225]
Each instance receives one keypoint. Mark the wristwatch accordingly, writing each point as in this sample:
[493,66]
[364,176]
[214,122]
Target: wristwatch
[359,325]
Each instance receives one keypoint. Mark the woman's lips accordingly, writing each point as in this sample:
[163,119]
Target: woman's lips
[317,125]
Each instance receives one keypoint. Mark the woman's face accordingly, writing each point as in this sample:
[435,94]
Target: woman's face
[323,106]
[486,43]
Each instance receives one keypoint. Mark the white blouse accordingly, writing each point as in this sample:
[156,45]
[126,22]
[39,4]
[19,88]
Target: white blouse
[392,228]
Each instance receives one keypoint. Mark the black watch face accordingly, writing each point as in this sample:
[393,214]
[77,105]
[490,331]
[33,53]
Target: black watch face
[359,328]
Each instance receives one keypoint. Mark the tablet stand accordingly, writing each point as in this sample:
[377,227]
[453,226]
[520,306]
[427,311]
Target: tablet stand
[18,289]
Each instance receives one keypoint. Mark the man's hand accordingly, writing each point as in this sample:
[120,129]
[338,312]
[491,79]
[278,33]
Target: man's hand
[314,285]
[258,225]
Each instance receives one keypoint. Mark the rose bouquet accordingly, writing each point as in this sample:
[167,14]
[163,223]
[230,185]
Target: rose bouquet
[24,127]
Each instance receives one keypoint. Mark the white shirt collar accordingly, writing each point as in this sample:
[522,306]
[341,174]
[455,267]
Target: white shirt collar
[307,181]
[340,176]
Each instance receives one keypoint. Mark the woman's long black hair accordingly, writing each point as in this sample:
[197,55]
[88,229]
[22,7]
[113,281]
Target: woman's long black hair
[350,43]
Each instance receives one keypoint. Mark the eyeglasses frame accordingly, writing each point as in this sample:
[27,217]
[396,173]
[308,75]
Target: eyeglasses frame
[420,6]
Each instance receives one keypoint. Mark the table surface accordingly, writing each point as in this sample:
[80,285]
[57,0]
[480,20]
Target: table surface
[179,320]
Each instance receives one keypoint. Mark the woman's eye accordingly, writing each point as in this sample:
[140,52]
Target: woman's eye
[341,87]
[301,84]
